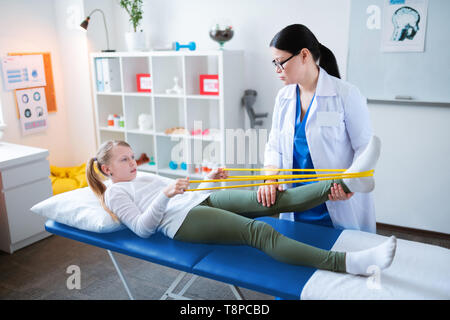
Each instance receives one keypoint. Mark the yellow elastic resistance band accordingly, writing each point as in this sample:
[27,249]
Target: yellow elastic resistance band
[318,177]
[270,169]
[288,176]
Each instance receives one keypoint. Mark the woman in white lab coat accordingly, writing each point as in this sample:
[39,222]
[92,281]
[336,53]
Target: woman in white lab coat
[319,122]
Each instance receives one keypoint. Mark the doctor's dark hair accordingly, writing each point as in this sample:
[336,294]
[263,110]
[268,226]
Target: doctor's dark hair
[95,175]
[295,37]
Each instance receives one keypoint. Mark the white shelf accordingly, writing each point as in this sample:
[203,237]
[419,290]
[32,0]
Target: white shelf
[205,138]
[180,173]
[166,53]
[170,110]
[139,131]
[148,168]
[204,97]
[160,95]
[165,95]
[104,93]
[112,129]
[184,136]
[137,94]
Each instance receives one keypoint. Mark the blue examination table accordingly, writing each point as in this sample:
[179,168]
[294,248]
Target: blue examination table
[238,266]
[419,270]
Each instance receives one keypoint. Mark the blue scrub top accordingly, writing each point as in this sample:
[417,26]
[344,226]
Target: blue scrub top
[302,160]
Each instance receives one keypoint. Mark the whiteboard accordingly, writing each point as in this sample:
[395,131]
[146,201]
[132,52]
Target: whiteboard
[423,76]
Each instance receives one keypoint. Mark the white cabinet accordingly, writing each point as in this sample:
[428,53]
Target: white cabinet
[24,181]
[188,109]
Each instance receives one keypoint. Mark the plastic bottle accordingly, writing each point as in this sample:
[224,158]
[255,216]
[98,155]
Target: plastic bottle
[205,169]
[110,120]
[116,121]
[121,122]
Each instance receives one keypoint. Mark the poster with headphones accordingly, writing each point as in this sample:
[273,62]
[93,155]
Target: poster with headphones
[404,25]
[32,106]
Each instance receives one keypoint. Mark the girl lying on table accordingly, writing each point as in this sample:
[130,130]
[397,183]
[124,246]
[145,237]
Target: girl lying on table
[153,203]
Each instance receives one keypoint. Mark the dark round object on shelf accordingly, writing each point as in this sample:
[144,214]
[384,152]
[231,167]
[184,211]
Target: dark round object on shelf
[221,35]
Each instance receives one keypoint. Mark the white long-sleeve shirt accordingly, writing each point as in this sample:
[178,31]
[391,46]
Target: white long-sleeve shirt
[143,207]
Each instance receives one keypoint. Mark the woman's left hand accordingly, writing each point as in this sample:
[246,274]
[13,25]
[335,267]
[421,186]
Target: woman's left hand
[338,193]
[218,173]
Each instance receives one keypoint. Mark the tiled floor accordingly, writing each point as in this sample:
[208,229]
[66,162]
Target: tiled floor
[39,272]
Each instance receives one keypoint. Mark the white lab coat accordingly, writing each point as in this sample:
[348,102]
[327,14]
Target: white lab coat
[338,128]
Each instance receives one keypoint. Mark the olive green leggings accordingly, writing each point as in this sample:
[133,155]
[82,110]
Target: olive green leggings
[226,217]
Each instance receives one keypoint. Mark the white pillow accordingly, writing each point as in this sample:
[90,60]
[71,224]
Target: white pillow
[79,208]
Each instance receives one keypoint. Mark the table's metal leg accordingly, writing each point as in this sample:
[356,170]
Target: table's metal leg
[169,292]
[116,265]
[237,292]
[188,284]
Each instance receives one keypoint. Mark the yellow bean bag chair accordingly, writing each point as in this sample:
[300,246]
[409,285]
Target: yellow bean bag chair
[67,178]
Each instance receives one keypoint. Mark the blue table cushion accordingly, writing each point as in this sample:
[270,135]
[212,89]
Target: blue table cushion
[250,268]
[158,248]
[243,266]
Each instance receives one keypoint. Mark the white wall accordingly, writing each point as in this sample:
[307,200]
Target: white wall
[29,26]
[52,25]
[412,175]
[76,80]
[96,34]
[255,23]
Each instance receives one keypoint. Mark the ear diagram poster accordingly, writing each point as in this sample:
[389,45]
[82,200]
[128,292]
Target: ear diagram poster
[404,25]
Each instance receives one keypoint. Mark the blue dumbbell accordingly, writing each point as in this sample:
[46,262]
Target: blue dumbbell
[173,165]
[190,46]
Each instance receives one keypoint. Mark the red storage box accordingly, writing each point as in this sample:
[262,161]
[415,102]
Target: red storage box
[209,84]
[144,82]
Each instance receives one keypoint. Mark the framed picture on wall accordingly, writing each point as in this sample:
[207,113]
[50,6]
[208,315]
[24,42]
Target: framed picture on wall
[209,84]
[144,82]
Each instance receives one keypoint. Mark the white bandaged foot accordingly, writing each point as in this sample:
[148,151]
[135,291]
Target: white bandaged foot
[358,262]
[366,161]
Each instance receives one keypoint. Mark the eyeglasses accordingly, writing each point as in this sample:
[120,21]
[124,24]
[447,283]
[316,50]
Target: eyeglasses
[279,65]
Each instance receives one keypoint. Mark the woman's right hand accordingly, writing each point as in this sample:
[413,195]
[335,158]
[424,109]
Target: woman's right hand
[267,194]
[177,187]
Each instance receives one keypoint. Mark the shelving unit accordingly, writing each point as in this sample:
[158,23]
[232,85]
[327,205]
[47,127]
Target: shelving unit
[222,111]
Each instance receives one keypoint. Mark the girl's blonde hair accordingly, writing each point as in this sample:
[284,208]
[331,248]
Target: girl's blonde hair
[95,175]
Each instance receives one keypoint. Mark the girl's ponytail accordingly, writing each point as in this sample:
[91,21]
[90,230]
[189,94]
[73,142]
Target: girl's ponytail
[96,184]
[328,61]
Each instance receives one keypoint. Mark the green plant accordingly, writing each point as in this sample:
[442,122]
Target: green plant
[134,10]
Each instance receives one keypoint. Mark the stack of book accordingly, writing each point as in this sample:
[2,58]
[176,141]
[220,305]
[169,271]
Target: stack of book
[108,74]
